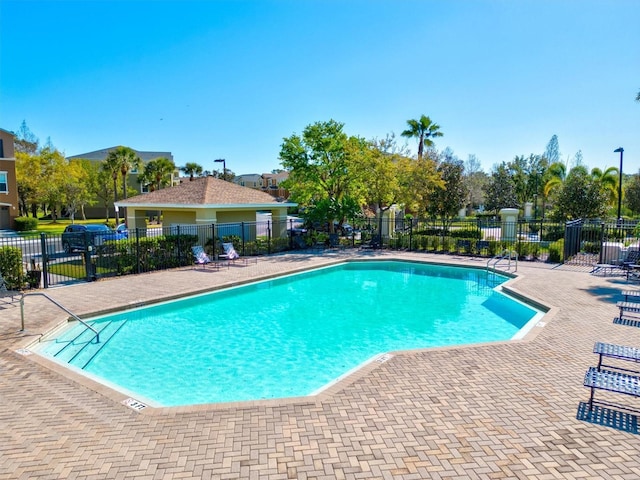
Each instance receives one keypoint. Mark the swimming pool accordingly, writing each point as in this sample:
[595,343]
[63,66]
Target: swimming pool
[288,336]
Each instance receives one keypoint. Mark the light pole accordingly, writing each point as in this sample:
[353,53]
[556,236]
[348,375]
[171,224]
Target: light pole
[621,150]
[224,167]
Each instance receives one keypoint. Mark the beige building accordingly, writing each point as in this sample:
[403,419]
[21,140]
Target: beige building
[205,201]
[266,182]
[8,182]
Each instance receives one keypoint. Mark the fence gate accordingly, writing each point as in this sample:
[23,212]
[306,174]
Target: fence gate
[572,238]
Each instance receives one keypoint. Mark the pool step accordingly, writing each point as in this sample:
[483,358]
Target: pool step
[81,349]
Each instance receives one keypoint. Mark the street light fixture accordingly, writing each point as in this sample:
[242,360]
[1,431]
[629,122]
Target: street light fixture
[224,167]
[619,150]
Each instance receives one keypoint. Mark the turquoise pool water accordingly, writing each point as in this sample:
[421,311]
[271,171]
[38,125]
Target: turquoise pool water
[289,336]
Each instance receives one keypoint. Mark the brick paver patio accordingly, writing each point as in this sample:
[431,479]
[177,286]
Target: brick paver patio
[504,410]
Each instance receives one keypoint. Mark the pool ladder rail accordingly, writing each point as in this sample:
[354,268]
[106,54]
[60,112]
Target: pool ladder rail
[507,260]
[66,310]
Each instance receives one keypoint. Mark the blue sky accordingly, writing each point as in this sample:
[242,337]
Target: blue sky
[231,79]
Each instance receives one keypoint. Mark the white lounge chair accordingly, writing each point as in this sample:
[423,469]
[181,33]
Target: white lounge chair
[231,255]
[201,258]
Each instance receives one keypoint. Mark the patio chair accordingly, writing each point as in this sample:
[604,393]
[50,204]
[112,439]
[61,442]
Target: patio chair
[201,258]
[631,263]
[231,255]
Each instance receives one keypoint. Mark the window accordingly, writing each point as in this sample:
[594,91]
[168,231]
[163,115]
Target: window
[4,183]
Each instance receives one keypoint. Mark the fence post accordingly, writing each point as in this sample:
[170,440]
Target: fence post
[269,236]
[243,239]
[179,249]
[601,242]
[410,234]
[138,260]
[45,260]
[215,242]
[88,265]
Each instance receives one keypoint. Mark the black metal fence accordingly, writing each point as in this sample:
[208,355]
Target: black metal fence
[47,259]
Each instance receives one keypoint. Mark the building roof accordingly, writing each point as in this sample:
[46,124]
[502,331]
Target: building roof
[205,192]
[279,176]
[102,154]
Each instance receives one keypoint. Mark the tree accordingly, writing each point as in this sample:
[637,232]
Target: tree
[580,197]
[192,169]
[608,182]
[519,173]
[53,175]
[632,194]
[500,190]
[379,175]
[29,180]
[321,163]
[26,141]
[111,165]
[75,187]
[424,130]
[100,186]
[122,159]
[577,158]
[446,200]
[158,172]
[475,180]
[552,152]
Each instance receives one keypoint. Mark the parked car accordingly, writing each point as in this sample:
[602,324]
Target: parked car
[74,237]
[122,230]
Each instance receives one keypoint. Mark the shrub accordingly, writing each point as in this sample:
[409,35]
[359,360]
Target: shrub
[470,233]
[590,247]
[556,251]
[522,249]
[553,233]
[11,267]
[26,224]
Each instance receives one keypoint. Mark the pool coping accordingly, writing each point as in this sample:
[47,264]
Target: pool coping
[147,408]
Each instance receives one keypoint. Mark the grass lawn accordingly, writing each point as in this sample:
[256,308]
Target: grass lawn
[73,269]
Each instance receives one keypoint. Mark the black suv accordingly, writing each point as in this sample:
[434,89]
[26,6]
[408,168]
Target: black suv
[77,237]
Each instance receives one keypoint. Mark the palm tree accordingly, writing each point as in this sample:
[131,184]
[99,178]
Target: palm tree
[192,169]
[111,165]
[608,181]
[125,159]
[159,172]
[423,129]
[553,178]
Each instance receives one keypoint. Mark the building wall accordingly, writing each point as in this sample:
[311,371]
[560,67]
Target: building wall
[9,198]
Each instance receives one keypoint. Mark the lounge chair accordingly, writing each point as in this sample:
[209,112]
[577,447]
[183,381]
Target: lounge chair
[231,255]
[631,263]
[201,258]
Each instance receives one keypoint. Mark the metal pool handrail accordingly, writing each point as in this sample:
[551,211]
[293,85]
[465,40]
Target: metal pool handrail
[506,254]
[57,304]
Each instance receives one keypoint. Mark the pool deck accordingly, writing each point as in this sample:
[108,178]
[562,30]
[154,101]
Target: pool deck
[505,410]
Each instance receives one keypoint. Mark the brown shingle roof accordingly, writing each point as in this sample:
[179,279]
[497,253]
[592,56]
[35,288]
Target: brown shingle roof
[201,192]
